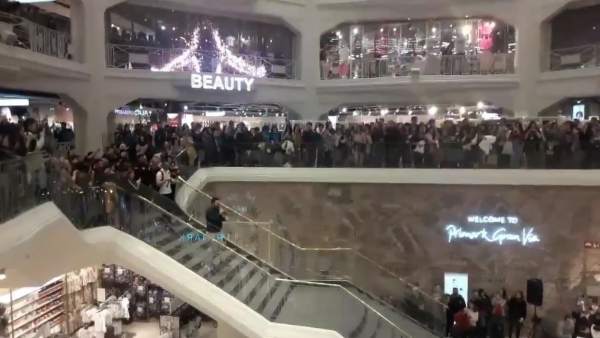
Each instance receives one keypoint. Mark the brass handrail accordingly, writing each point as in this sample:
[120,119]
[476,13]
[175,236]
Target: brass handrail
[352,250]
[351,295]
[260,224]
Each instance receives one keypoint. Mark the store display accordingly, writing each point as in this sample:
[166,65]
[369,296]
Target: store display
[69,306]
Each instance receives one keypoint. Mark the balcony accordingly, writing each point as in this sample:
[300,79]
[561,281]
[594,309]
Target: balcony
[21,32]
[411,65]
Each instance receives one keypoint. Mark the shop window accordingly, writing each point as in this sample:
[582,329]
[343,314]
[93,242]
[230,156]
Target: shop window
[431,47]
[161,39]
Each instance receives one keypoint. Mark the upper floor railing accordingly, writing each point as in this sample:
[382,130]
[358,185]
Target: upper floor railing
[21,32]
[584,56]
[431,64]
[163,59]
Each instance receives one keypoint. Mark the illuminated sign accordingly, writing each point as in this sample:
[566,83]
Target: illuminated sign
[500,234]
[222,82]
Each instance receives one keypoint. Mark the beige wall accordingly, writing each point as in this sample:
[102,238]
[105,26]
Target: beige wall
[402,227]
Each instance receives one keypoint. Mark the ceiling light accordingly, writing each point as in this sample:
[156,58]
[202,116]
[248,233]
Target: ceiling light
[185,107]
[174,29]
[163,27]
[432,110]
[381,30]
[14,102]
[395,29]
[466,29]
[344,110]
[433,30]
[2,274]
[384,111]
[462,110]
[480,105]
[355,30]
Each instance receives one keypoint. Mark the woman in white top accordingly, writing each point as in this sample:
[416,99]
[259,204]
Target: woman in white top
[163,181]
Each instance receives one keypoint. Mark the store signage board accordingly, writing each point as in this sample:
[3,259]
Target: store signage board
[222,82]
[493,229]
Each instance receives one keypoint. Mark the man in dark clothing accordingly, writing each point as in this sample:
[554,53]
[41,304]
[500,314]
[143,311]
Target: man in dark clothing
[310,142]
[517,312]
[214,217]
[214,226]
[455,304]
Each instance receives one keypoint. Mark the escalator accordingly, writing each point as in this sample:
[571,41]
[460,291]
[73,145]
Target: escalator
[413,310]
[254,283]
[275,298]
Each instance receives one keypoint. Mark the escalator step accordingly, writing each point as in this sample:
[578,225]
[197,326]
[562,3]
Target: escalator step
[277,297]
[247,273]
[259,294]
[255,282]
[232,274]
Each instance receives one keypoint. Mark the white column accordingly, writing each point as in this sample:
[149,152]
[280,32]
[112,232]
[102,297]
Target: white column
[528,63]
[308,64]
[91,126]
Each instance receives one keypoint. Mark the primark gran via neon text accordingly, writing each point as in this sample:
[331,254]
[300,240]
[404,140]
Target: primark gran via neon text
[222,82]
[498,235]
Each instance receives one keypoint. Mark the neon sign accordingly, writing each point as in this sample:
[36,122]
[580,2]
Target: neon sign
[221,82]
[499,235]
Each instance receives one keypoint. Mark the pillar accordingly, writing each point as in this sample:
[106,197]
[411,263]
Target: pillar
[90,122]
[529,55]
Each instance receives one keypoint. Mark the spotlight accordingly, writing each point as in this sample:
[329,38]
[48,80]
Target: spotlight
[432,110]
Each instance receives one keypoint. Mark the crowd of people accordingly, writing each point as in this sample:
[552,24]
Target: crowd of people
[500,316]
[464,144]
[484,316]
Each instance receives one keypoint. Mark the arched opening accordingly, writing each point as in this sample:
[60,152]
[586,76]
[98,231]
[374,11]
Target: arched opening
[575,36]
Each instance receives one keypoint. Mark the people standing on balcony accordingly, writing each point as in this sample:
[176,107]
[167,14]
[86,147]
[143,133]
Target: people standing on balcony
[551,136]
[310,142]
[516,314]
[533,146]
[517,139]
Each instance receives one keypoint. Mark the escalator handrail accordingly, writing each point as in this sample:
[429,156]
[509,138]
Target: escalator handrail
[259,224]
[191,227]
[191,218]
[311,283]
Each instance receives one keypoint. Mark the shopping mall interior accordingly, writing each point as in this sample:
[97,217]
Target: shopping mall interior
[299,168]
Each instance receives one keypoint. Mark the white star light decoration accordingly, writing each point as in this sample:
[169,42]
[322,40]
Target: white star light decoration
[225,57]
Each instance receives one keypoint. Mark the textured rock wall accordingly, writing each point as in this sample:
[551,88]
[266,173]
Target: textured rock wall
[403,228]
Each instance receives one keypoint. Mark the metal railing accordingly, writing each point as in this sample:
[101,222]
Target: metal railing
[21,32]
[318,263]
[147,57]
[584,56]
[477,64]
[124,209]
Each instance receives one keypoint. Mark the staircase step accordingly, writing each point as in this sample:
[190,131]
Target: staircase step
[235,285]
[261,294]
[259,278]
[278,297]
